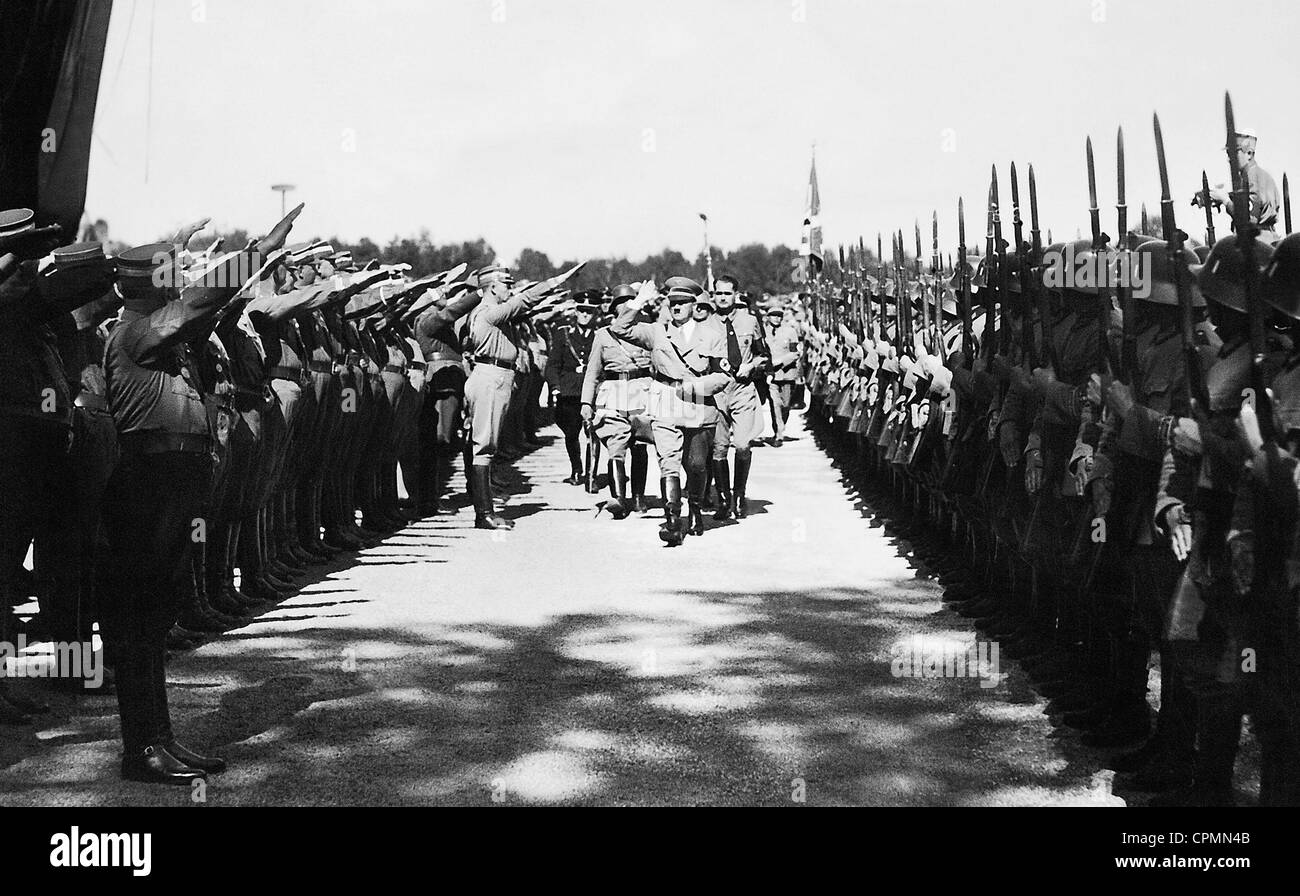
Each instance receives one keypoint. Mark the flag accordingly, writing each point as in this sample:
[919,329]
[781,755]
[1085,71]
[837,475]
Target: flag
[810,244]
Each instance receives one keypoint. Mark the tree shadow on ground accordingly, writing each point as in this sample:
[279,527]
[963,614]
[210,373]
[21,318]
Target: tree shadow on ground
[766,698]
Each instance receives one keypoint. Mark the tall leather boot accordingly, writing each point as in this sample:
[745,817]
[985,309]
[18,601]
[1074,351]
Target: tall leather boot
[743,460]
[197,614]
[695,517]
[640,470]
[726,499]
[672,533]
[467,458]
[485,515]
[272,568]
[432,482]
[619,507]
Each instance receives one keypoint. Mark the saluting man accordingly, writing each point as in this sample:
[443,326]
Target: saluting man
[615,391]
[156,493]
[493,330]
[687,358]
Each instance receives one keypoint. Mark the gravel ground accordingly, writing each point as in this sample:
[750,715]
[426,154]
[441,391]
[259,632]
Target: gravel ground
[576,660]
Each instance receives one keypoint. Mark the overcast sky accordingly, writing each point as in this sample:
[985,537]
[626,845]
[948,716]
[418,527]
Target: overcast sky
[588,128]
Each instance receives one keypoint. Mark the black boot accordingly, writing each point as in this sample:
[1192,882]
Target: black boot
[155,765]
[696,522]
[485,515]
[726,503]
[618,508]
[743,460]
[671,532]
[640,469]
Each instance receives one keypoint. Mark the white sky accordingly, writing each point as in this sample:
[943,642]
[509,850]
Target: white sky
[528,122]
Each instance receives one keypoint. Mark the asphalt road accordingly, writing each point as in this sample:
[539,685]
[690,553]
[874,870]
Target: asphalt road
[578,660]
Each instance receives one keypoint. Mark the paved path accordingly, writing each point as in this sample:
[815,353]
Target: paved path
[576,659]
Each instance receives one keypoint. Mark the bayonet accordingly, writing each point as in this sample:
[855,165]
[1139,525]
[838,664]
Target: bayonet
[988,293]
[1123,289]
[1003,273]
[963,284]
[1099,241]
[1209,208]
[1247,231]
[1018,231]
[1286,203]
[1197,396]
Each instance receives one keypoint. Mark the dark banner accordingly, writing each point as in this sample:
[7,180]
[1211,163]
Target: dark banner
[51,56]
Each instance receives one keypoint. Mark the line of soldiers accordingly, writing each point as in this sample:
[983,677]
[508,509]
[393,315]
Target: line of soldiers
[1094,448]
[183,432]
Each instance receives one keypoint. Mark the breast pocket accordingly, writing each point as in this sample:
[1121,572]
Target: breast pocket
[1159,387]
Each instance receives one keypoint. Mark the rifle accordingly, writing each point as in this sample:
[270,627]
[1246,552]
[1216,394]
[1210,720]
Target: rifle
[1198,396]
[1004,273]
[1026,331]
[987,292]
[1100,241]
[1146,221]
[1036,281]
[1286,203]
[880,275]
[1209,208]
[936,271]
[869,331]
[963,284]
[925,304]
[1247,231]
[1128,356]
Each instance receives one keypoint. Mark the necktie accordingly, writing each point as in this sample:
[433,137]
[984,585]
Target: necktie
[733,347]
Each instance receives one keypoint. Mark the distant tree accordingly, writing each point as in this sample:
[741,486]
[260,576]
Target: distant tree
[533,265]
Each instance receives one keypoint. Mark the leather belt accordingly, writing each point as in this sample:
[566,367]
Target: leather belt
[394,368]
[667,381]
[325,367]
[638,374]
[287,373]
[91,401]
[157,441]
[504,365]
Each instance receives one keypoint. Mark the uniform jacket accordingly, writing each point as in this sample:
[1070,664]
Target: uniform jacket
[567,356]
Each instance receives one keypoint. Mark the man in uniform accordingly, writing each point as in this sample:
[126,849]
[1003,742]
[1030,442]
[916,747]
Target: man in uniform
[566,368]
[687,358]
[155,495]
[615,391]
[36,409]
[493,335]
[1265,199]
[785,341]
[739,407]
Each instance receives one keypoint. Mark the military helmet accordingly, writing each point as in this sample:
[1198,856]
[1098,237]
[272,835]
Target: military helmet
[1222,276]
[1151,268]
[1281,277]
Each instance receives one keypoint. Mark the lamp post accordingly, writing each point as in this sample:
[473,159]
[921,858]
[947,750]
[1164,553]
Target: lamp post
[708,255]
[282,189]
